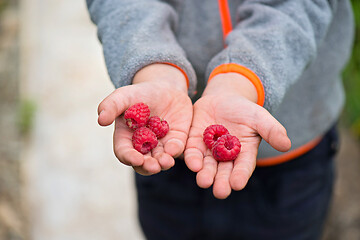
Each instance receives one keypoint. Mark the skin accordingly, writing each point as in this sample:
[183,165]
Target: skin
[163,88]
[230,99]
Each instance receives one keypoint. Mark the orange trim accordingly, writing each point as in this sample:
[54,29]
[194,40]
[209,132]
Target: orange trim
[225,17]
[183,72]
[270,161]
[233,67]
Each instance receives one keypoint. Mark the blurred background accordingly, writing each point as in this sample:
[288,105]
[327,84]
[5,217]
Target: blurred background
[59,178]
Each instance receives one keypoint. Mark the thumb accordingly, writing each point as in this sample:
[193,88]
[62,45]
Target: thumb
[113,106]
[272,131]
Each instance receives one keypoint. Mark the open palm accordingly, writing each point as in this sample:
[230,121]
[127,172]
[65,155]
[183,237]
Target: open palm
[168,103]
[245,120]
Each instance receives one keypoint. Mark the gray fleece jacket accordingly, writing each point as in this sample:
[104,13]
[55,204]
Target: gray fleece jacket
[297,48]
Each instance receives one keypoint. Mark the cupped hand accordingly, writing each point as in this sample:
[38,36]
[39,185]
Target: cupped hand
[163,89]
[245,120]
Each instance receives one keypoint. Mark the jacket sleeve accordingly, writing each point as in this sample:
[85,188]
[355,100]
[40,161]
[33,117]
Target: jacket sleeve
[136,33]
[276,40]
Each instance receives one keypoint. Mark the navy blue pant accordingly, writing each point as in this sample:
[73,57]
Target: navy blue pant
[288,201]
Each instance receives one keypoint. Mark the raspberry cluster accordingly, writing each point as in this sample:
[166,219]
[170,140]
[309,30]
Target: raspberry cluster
[147,130]
[224,146]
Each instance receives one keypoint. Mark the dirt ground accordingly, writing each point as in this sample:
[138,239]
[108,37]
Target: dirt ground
[344,218]
[11,215]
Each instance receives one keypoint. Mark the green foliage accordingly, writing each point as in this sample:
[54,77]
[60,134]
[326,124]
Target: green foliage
[26,115]
[3,4]
[351,78]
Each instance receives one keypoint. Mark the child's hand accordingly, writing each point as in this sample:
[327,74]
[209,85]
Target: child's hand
[163,88]
[226,101]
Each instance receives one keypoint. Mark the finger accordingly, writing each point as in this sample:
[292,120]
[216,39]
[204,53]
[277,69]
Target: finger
[142,171]
[193,159]
[272,131]
[222,188]
[123,147]
[244,166]
[164,159]
[206,175]
[113,106]
[151,165]
[174,142]
[194,153]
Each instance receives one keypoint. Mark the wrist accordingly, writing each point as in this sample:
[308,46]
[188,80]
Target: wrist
[163,74]
[231,83]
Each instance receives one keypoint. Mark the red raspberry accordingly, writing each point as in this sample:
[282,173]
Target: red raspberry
[212,133]
[144,140]
[158,126]
[137,115]
[226,148]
